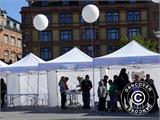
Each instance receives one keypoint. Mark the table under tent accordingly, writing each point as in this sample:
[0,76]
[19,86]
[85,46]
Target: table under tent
[72,64]
[136,59]
[26,85]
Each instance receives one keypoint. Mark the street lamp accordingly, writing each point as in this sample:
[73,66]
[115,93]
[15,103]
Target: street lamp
[90,14]
[40,23]
[157,33]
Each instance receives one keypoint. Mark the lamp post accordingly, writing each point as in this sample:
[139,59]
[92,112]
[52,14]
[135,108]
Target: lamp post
[40,23]
[157,33]
[90,14]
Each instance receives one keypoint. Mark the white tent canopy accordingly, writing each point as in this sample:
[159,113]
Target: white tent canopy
[28,63]
[73,59]
[2,64]
[24,78]
[132,53]
[70,60]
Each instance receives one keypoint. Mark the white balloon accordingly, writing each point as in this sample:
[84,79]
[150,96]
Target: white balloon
[156,1]
[157,34]
[40,22]
[90,13]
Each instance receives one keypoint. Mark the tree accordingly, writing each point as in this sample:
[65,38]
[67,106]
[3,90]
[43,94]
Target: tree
[147,43]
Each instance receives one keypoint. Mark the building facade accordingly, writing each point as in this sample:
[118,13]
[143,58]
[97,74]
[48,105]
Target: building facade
[10,38]
[67,29]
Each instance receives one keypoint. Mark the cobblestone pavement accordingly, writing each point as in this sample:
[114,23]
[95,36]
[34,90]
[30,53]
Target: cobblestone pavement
[45,113]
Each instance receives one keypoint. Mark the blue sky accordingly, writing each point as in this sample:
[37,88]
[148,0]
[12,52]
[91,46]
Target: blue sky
[13,7]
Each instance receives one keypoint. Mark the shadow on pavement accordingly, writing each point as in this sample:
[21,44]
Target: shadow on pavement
[57,110]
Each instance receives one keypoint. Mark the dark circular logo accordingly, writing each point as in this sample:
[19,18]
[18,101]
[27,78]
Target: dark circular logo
[138,98]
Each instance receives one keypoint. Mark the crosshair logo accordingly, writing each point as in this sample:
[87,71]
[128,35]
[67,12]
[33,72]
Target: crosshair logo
[138,98]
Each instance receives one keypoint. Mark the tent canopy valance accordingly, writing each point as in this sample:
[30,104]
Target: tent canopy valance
[71,60]
[132,53]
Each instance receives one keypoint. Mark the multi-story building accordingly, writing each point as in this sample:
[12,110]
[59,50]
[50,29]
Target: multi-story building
[67,28]
[10,38]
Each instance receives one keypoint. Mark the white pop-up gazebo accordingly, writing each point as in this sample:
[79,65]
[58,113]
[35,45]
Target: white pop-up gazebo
[132,53]
[136,58]
[70,64]
[24,78]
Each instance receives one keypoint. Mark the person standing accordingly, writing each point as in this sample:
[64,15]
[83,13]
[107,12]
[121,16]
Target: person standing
[112,94]
[123,80]
[151,83]
[86,86]
[102,91]
[63,87]
[3,92]
[105,82]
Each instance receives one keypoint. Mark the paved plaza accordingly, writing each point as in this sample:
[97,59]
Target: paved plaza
[45,113]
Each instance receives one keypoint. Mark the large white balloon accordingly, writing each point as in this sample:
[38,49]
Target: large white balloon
[40,22]
[156,1]
[90,13]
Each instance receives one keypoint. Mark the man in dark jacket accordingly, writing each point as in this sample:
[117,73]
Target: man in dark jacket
[151,83]
[86,86]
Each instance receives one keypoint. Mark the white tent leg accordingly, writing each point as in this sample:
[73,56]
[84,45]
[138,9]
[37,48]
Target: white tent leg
[57,86]
[27,88]
[37,88]
[52,86]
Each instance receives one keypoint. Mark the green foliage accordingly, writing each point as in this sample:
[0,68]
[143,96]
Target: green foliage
[149,44]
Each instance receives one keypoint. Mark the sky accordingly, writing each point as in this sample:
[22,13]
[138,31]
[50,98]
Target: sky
[13,7]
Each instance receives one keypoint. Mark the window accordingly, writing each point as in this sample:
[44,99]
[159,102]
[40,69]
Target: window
[13,42]
[6,39]
[133,16]
[18,27]
[11,24]
[6,56]
[44,3]
[12,56]
[132,1]
[49,18]
[64,50]
[66,18]
[133,32]
[25,52]
[112,1]
[65,2]
[25,36]
[112,49]
[113,34]
[89,50]
[66,35]
[112,16]
[45,36]
[46,53]
[89,34]
[24,19]
[19,43]
[85,2]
